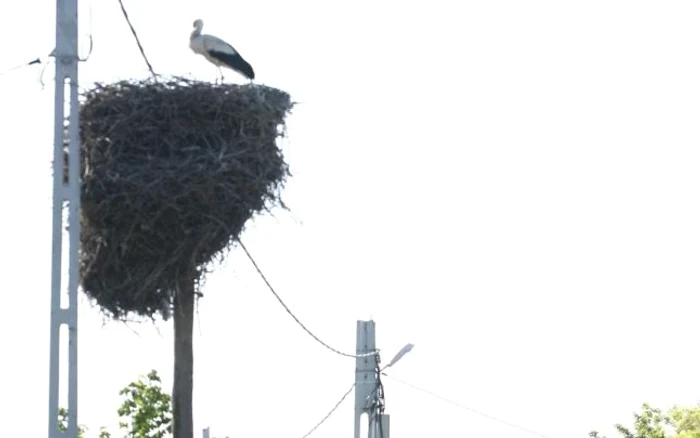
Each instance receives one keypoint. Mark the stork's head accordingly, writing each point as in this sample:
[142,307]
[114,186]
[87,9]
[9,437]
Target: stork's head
[198,24]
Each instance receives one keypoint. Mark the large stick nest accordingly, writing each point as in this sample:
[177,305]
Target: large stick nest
[171,172]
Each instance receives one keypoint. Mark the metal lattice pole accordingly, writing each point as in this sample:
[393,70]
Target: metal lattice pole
[65,190]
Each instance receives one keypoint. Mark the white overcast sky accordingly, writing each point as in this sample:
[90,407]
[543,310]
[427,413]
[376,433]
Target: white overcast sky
[512,186]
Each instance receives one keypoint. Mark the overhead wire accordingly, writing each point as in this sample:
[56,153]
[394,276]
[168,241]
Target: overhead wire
[44,60]
[17,67]
[90,47]
[138,41]
[41,76]
[466,408]
[342,399]
[301,324]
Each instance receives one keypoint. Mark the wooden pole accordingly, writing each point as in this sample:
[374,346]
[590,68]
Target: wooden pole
[183,317]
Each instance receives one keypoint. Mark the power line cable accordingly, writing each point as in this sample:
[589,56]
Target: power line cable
[37,61]
[331,412]
[17,67]
[89,35]
[136,37]
[272,289]
[459,405]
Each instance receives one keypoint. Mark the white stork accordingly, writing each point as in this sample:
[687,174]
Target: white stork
[218,52]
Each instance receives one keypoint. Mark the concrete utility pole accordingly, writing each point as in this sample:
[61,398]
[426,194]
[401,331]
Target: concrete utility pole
[66,54]
[367,384]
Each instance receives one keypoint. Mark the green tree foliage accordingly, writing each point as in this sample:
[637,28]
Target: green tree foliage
[145,411]
[686,421]
[63,423]
[146,408]
[677,422]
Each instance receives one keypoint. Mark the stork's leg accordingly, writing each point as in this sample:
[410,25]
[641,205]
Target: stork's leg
[221,74]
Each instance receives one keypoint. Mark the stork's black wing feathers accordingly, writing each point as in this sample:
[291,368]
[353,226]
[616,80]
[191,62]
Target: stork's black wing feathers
[236,62]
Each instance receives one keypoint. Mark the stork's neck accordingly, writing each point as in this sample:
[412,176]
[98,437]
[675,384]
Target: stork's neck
[195,33]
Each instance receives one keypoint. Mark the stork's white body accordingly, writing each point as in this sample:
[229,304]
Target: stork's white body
[204,44]
[218,52]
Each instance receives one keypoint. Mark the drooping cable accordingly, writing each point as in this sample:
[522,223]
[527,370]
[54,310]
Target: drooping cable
[313,429]
[272,289]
